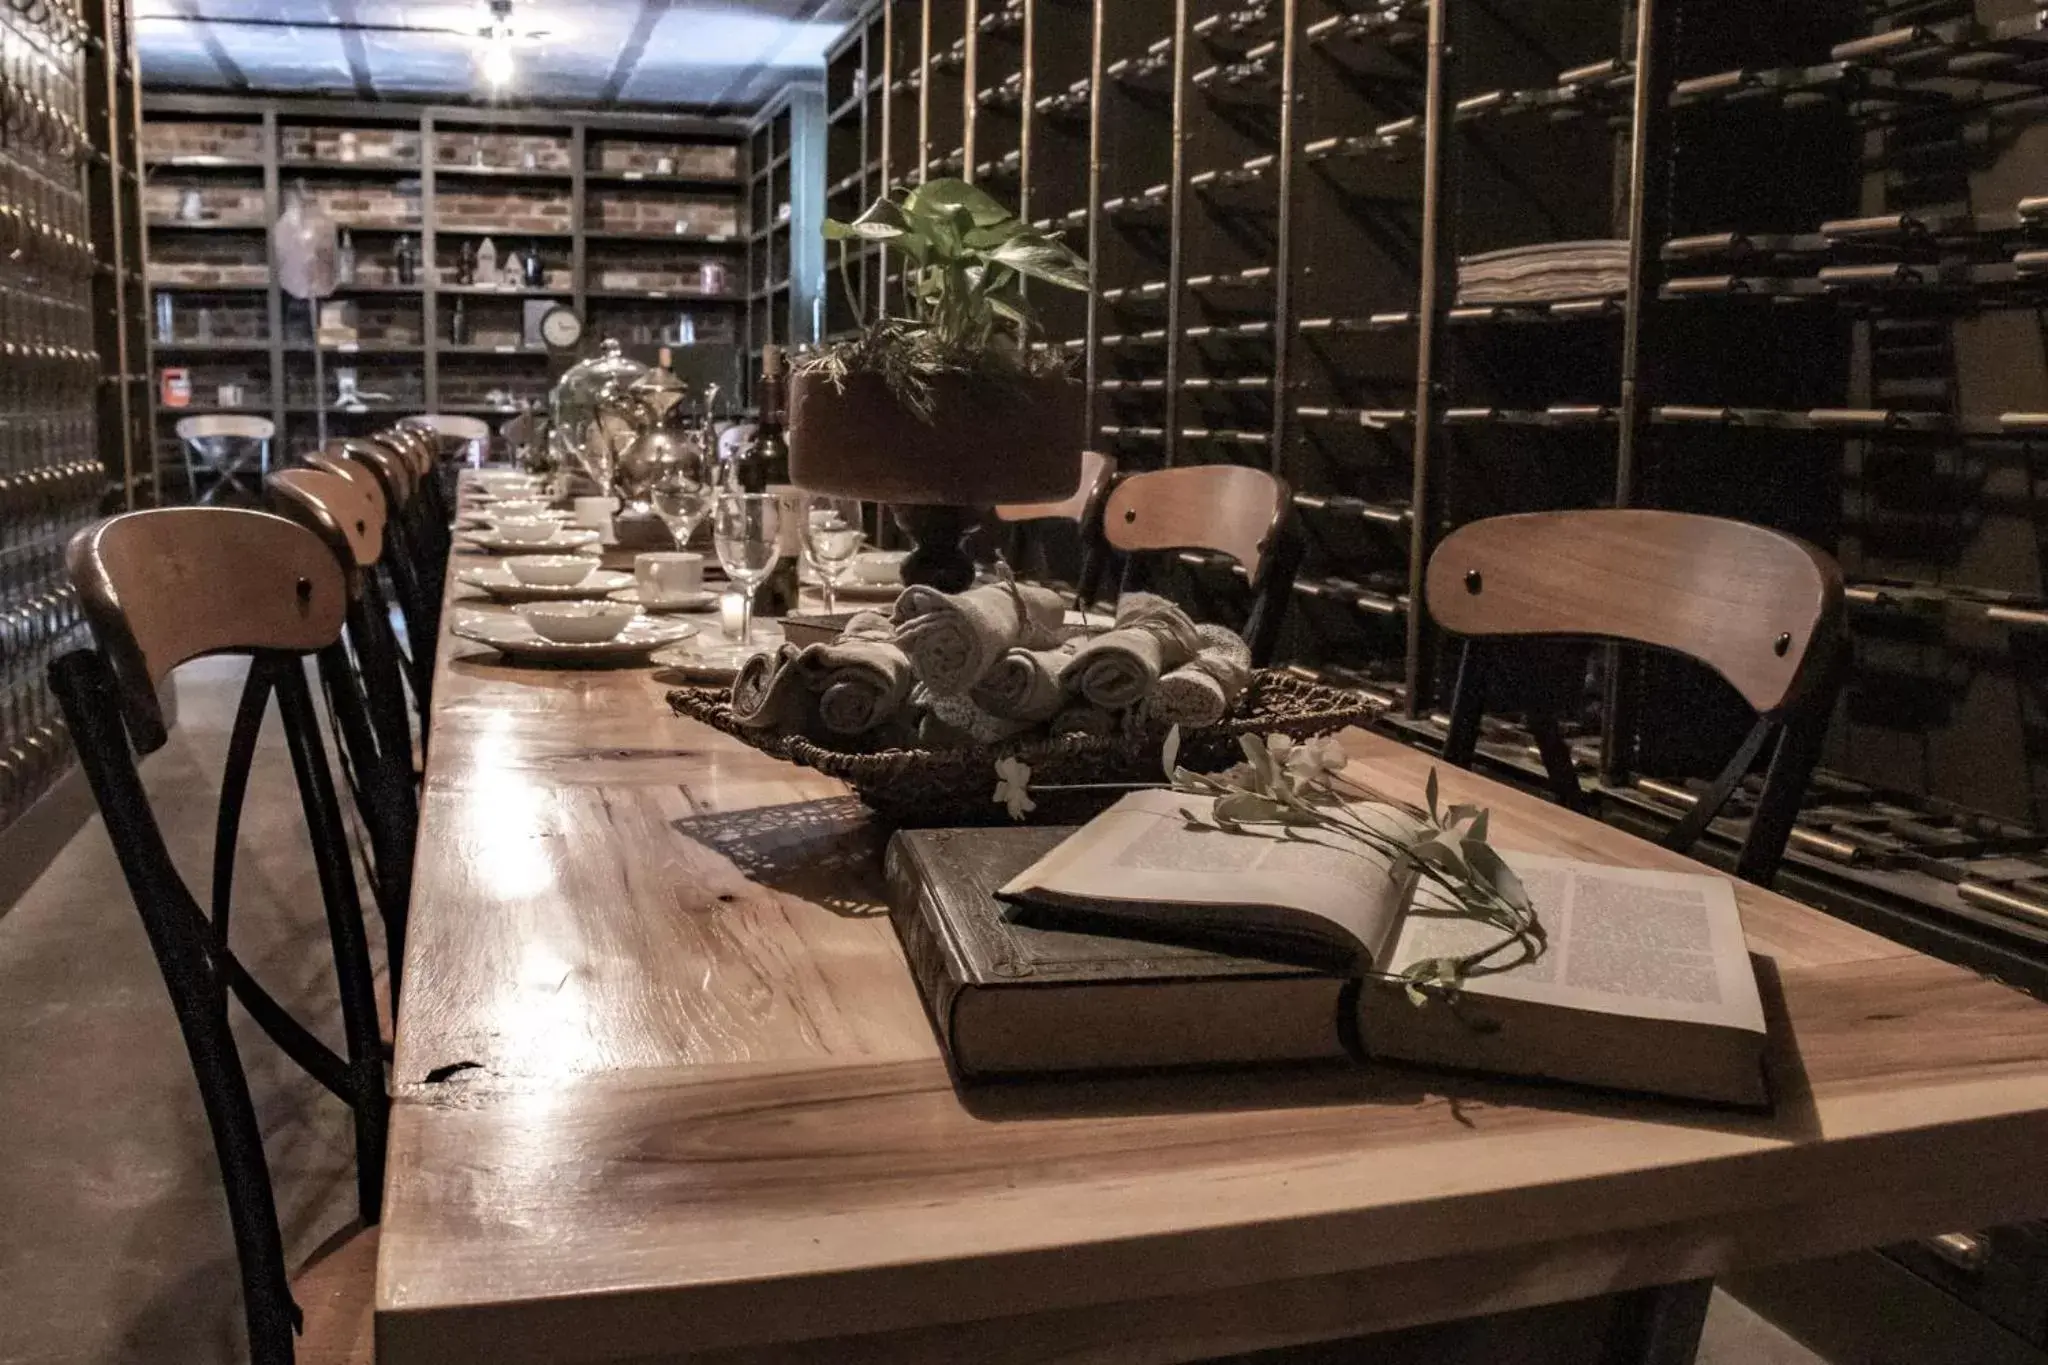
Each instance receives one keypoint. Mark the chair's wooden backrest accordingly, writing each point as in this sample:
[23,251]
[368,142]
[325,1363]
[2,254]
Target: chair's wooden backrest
[1746,601]
[1226,508]
[394,472]
[225,424]
[453,427]
[1097,470]
[417,447]
[346,513]
[172,584]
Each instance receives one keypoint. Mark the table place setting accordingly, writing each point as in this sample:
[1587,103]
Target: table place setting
[544,578]
[582,632]
[667,581]
[532,536]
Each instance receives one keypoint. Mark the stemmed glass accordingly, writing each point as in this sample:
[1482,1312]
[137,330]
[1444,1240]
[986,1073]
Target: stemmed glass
[746,530]
[832,537]
[683,492]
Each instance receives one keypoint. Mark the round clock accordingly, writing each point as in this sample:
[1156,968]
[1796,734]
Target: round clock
[560,328]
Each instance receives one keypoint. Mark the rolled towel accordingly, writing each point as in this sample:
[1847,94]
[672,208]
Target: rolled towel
[768,693]
[861,680]
[1118,669]
[954,638]
[1023,685]
[1202,690]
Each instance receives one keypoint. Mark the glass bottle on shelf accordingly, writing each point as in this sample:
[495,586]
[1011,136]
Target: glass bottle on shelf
[345,260]
[408,260]
[536,273]
[487,262]
[465,264]
[458,324]
[761,465]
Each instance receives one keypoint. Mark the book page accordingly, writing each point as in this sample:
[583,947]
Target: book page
[1143,853]
[1661,945]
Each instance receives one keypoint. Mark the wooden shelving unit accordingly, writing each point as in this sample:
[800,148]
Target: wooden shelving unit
[785,204]
[641,222]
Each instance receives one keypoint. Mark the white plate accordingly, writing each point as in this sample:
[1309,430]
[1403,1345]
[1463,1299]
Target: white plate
[483,518]
[630,592]
[505,586]
[562,541]
[710,657]
[516,639]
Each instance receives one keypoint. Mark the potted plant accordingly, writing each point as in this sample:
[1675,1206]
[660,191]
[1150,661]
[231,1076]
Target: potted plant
[946,406]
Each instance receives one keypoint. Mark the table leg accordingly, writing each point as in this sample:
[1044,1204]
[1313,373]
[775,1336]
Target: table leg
[1661,1325]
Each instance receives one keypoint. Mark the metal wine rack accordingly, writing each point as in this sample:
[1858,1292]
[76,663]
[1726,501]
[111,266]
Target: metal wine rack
[71,407]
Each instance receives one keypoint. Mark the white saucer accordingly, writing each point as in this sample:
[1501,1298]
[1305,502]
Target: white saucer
[630,592]
[506,586]
[516,639]
[711,658]
[484,519]
[562,541]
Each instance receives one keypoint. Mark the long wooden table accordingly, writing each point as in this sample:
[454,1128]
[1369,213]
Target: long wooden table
[665,1091]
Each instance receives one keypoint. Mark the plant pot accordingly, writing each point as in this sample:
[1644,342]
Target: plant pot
[989,441]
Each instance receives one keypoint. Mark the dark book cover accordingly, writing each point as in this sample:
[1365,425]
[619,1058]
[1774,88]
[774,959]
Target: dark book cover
[1008,996]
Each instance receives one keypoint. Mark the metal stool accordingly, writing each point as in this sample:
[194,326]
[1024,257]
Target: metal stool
[231,448]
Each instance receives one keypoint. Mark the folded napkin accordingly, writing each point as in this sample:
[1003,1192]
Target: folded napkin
[1118,668]
[954,638]
[767,694]
[1202,690]
[1023,685]
[848,687]
[861,680]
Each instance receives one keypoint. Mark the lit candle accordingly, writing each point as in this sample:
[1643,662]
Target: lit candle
[732,614]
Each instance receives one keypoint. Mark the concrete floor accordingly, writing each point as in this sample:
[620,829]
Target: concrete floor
[114,1244]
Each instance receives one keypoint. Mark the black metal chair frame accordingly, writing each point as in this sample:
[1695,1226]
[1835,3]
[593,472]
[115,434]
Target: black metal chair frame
[201,971]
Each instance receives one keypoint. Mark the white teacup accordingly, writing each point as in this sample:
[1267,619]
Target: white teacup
[593,513]
[668,576]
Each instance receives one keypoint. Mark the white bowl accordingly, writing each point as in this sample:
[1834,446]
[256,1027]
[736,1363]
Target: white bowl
[879,566]
[523,508]
[550,571]
[525,530]
[506,478]
[577,623]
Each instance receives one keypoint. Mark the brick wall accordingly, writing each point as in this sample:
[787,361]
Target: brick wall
[653,327]
[399,146]
[235,141]
[163,202]
[632,267]
[623,211]
[472,385]
[403,383]
[370,205]
[707,162]
[526,151]
[499,211]
[252,374]
[197,258]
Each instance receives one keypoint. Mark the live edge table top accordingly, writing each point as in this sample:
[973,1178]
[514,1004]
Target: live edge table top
[665,1091]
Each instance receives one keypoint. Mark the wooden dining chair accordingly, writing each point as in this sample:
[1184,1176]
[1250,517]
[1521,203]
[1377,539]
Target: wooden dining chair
[404,560]
[160,588]
[440,452]
[1762,609]
[229,446]
[1244,514]
[1082,509]
[365,686]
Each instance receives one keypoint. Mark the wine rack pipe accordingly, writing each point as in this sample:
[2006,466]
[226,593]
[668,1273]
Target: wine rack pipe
[1438,287]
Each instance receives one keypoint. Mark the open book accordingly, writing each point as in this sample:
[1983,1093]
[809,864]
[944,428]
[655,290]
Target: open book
[1646,984]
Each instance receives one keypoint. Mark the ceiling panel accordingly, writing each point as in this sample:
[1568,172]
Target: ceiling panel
[633,52]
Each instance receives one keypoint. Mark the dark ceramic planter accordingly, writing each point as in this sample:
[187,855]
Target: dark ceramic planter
[987,443]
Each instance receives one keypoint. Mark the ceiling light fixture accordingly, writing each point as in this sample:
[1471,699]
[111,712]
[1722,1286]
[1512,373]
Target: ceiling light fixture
[494,57]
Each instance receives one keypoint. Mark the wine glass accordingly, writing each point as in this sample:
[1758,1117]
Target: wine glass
[683,492]
[832,537]
[746,530]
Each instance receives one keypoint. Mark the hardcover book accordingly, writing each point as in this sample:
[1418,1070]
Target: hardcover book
[1145,939]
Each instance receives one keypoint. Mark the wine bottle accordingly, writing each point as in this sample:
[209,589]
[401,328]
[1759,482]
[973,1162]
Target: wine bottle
[465,264]
[345,259]
[408,260]
[536,273]
[458,325]
[762,466]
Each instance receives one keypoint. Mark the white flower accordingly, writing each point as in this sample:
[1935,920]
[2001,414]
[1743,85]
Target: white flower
[1013,787]
[1316,757]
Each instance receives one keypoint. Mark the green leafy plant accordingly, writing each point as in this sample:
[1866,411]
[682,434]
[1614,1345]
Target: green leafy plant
[965,261]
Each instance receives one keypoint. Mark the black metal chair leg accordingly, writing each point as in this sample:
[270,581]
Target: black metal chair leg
[370,1101]
[1468,704]
[1660,1325]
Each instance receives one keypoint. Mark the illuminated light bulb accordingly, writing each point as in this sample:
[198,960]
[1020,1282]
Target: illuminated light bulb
[497,62]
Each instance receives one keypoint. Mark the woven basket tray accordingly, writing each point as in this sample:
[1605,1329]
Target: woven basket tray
[943,787]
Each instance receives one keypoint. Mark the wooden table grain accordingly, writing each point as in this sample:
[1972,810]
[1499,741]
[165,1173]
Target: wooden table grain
[665,1092]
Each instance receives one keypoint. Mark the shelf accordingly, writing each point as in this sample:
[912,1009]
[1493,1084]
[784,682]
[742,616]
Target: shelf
[179,286]
[507,232]
[732,243]
[261,346]
[196,410]
[662,296]
[652,181]
[355,348]
[401,169]
[179,225]
[514,173]
[491,291]
[201,163]
[449,348]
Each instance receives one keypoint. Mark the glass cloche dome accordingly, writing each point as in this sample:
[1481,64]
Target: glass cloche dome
[574,406]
